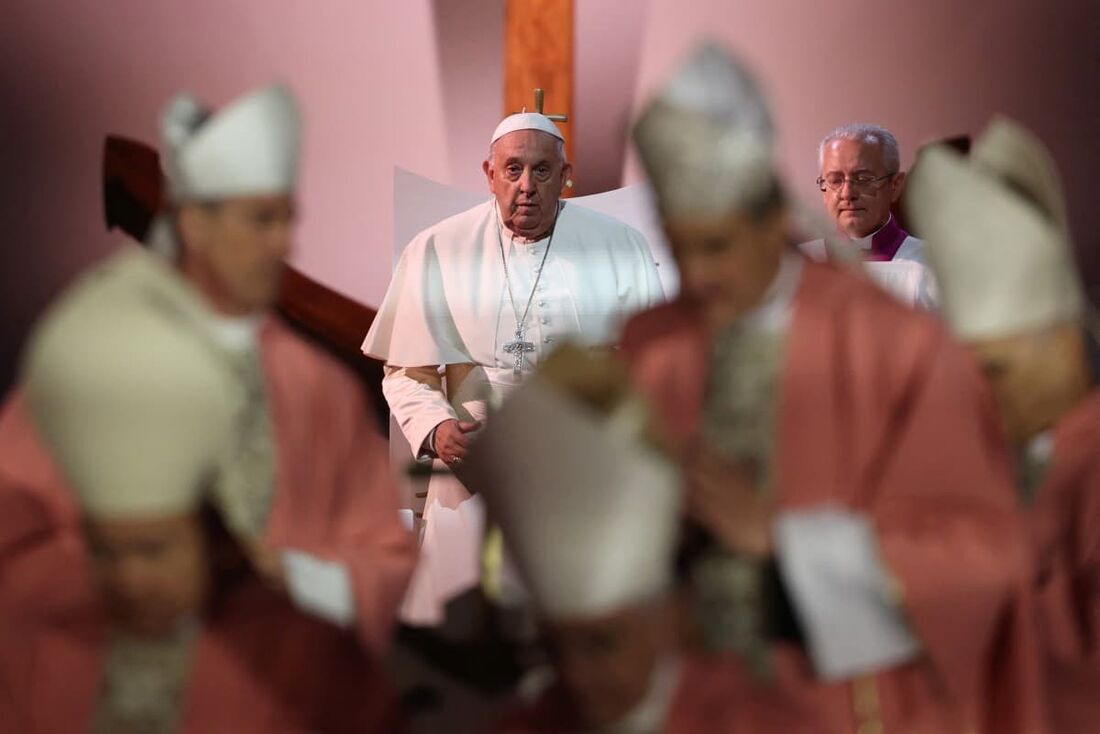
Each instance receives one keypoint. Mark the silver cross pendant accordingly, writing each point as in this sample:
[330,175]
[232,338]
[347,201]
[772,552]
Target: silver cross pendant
[517,348]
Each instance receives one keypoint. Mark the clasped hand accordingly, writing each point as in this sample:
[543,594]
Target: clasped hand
[720,497]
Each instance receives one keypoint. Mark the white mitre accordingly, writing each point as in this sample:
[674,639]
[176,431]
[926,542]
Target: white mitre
[706,138]
[1002,260]
[137,411]
[1012,153]
[589,512]
[249,147]
[526,121]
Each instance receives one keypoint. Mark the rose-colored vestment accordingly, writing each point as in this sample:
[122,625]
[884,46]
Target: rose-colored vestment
[1067,527]
[258,666]
[880,414]
[334,498]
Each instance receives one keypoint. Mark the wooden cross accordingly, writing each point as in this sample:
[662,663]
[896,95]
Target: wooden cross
[538,52]
[538,107]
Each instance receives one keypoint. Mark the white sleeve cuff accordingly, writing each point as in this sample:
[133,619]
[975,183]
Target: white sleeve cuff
[418,409]
[321,588]
[844,599]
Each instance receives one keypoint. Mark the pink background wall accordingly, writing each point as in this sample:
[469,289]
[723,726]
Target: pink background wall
[414,83]
[608,37]
[417,83]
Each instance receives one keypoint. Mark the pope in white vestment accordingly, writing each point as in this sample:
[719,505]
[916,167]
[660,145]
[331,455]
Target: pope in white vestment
[474,305]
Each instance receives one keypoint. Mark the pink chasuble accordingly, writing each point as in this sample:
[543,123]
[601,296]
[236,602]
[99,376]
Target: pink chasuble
[882,415]
[258,666]
[334,496]
[42,554]
[1066,516]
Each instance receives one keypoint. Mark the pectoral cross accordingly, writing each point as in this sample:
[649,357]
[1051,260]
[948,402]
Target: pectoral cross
[538,107]
[517,348]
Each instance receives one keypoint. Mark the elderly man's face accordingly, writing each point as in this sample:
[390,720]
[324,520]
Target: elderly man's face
[726,265]
[858,209]
[237,249]
[526,172]
[153,572]
[1035,377]
[605,666]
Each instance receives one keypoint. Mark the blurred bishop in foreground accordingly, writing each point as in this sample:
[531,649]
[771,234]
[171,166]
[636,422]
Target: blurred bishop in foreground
[151,427]
[593,527]
[998,240]
[858,546]
[323,522]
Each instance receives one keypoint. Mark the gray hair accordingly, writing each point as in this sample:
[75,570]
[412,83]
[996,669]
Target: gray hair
[865,133]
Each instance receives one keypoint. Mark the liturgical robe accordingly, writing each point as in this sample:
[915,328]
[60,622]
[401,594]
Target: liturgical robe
[256,665]
[1066,518]
[334,508]
[895,260]
[41,550]
[882,421]
[448,304]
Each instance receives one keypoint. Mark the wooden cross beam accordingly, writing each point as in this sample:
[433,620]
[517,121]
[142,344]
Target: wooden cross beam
[538,108]
[538,54]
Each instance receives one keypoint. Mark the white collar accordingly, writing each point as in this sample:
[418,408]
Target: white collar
[865,243]
[236,333]
[1040,448]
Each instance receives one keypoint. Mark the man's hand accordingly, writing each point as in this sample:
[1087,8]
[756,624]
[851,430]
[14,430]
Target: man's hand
[722,500]
[450,442]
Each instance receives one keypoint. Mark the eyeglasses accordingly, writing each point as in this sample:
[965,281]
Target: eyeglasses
[862,182]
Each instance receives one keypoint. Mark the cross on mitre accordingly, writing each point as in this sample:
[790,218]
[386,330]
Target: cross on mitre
[539,95]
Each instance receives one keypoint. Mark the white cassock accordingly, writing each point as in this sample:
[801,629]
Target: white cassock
[907,276]
[449,304]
